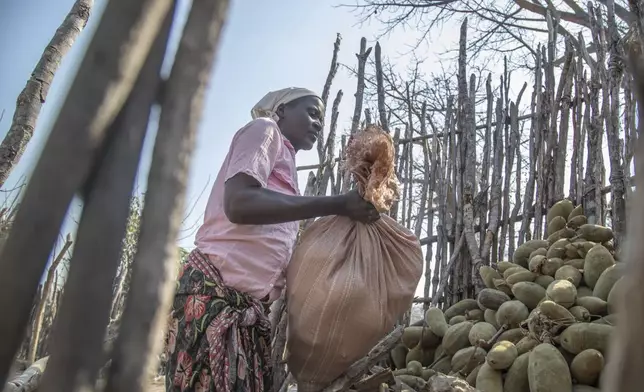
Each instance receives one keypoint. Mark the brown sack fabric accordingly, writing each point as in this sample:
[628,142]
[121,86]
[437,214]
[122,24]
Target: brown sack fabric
[347,282]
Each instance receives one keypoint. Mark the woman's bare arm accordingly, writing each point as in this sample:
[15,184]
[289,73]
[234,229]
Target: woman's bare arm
[247,203]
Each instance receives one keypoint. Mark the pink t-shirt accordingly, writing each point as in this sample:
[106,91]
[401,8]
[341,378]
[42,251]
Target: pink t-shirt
[252,258]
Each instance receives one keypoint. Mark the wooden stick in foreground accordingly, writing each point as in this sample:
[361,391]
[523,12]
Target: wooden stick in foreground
[118,49]
[29,380]
[148,303]
[624,370]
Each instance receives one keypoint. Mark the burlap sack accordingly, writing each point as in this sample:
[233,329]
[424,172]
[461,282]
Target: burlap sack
[348,282]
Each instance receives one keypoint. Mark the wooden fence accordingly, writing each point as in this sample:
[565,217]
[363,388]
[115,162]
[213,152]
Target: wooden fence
[482,187]
[478,176]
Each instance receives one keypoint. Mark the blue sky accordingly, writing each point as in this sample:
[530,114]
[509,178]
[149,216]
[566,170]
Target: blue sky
[266,45]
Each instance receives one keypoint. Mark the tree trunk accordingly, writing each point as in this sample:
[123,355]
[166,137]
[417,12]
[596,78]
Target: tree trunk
[32,97]
[40,312]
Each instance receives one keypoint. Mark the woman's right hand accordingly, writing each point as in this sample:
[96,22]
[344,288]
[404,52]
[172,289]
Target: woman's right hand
[358,209]
[247,203]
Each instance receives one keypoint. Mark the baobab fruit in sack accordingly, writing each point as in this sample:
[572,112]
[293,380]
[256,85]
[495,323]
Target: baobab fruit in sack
[349,282]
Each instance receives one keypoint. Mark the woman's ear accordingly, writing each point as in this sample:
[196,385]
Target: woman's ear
[280,111]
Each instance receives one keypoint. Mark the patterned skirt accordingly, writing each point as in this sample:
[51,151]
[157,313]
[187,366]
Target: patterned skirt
[218,338]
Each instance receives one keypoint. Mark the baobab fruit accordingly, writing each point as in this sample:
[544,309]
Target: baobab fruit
[425,374]
[457,337]
[596,261]
[415,368]
[489,380]
[512,271]
[516,378]
[557,223]
[566,232]
[435,320]
[471,378]
[544,280]
[415,354]
[606,281]
[512,335]
[529,293]
[466,359]
[577,211]
[537,263]
[521,254]
[584,247]
[584,291]
[474,315]
[521,276]
[511,313]
[526,344]
[610,319]
[577,222]
[398,355]
[481,331]
[491,299]
[616,295]
[490,317]
[502,285]
[587,366]
[577,263]
[558,249]
[459,308]
[443,365]
[569,273]
[548,370]
[581,314]
[596,306]
[571,252]
[595,233]
[412,336]
[503,265]
[562,292]
[561,208]
[582,336]
[551,266]
[456,319]
[488,274]
[609,245]
[540,251]
[502,355]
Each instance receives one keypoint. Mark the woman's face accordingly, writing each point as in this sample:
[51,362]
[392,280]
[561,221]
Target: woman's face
[301,121]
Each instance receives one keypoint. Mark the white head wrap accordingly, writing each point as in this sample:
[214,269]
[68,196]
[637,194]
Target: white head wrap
[267,106]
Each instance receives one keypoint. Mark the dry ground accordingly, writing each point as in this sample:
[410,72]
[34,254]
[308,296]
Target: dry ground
[157,385]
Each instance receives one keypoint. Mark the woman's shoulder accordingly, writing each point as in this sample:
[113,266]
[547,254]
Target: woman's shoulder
[261,125]
[260,131]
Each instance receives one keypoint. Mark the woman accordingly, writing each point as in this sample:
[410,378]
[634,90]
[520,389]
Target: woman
[219,334]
